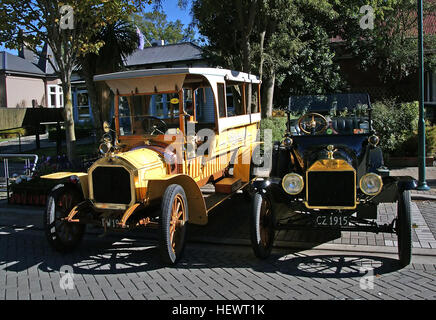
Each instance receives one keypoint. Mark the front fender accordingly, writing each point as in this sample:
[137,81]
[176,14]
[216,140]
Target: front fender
[196,205]
[78,179]
[393,186]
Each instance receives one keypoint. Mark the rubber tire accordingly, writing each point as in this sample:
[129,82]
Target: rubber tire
[404,228]
[260,251]
[52,235]
[168,256]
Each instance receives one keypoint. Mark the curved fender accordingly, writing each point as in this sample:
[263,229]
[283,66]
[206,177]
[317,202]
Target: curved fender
[392,186]
[197,213]
[77,179]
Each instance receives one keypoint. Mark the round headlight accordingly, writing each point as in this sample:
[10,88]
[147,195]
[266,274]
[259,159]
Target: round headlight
[373,140]
[293,183]
[371,184]
[105,148]
[287,142]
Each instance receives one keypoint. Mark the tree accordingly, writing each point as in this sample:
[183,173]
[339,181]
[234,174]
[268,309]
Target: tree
[155,26]
[36,22]
[120,40]
[391,46]
[263,36]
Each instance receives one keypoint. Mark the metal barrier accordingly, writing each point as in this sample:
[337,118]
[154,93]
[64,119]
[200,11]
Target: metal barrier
[19,138]
[28,171]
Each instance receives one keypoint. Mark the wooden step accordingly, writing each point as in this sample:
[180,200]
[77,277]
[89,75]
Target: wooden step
[228,185]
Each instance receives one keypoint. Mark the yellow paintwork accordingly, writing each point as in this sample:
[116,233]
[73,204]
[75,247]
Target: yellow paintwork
[234,141]
[83,177]
[331,165]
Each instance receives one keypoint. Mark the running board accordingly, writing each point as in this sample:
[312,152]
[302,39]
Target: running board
[216,198]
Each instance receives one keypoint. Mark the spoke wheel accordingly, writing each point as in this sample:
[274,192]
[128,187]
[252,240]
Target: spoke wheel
[404,228]
[173,223]
[262,226]
[63,236]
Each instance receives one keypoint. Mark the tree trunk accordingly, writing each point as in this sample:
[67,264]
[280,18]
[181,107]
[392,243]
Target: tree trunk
[69,121]
[95,104]
[268,95]
[104,95]
[262,58]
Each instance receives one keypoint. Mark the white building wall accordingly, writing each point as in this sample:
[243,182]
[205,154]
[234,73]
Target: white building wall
[21,91]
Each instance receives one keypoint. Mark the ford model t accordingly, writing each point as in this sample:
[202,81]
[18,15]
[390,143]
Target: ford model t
[328,173]
[174,132]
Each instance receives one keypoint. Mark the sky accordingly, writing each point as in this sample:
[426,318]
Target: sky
[170,7]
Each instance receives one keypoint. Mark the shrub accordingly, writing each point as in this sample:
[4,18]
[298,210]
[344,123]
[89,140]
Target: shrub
[6,134]
[276,124]
[394,123]
[82,131]
[409,147]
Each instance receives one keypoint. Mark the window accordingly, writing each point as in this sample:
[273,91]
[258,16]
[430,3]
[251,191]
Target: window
[221,101]
[149,114]
[187,102]
[253,102]
[205,107]
[83,110]
[55,96]
[235,105]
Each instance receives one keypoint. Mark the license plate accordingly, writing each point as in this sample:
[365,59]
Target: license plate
[331,220]
[110,223]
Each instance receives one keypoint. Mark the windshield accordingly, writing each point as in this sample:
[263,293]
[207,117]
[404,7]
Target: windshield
[149,114]
[340,114]
[333,104]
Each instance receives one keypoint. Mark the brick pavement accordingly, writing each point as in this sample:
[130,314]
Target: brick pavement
[118,268]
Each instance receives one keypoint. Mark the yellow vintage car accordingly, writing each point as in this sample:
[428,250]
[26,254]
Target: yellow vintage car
[175,131]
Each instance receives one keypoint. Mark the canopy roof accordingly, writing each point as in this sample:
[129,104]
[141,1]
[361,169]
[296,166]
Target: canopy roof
[168,79]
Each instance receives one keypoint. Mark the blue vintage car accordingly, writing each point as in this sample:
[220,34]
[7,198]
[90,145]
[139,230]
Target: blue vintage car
[328,173]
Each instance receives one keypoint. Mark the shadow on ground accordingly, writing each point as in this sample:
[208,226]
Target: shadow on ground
[21,250]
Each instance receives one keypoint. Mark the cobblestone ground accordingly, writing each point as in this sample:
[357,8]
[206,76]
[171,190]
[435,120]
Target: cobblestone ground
[116,267]
[222,225]
[119,268]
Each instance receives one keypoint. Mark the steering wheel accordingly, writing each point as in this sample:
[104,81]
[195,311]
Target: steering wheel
[154,125]
[317,123]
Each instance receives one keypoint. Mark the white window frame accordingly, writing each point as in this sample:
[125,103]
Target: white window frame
[59,96]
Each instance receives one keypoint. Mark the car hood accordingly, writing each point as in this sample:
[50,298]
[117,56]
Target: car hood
[309,149]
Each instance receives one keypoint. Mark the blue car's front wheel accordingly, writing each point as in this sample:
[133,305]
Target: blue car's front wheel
[404,229]
[261,226]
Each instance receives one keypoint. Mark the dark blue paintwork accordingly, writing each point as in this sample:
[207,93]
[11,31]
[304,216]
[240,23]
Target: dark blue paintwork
[311,148]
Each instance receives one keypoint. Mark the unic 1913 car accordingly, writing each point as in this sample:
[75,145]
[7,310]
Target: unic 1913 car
[328,173]
[174,131]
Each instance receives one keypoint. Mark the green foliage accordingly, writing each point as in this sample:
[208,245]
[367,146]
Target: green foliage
[391,46]
[155,26]
[12,133]
[82,131]
[394,123]
[285,39]
[409,147]
[276,124]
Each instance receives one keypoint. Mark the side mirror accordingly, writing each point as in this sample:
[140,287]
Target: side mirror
[106,127]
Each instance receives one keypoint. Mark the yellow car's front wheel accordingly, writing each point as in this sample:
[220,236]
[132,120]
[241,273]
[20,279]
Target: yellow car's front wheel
[173,224]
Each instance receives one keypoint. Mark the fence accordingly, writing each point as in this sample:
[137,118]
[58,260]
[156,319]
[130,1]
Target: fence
[28,169]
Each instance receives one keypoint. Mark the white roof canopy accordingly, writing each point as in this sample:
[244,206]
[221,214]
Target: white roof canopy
[169,79]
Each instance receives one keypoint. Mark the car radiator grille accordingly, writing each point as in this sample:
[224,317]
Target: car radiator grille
[331,189]
[111,185]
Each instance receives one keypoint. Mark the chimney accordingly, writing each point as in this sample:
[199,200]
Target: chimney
[25,53]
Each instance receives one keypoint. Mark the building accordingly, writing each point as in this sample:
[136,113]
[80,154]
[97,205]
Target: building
[28,81]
